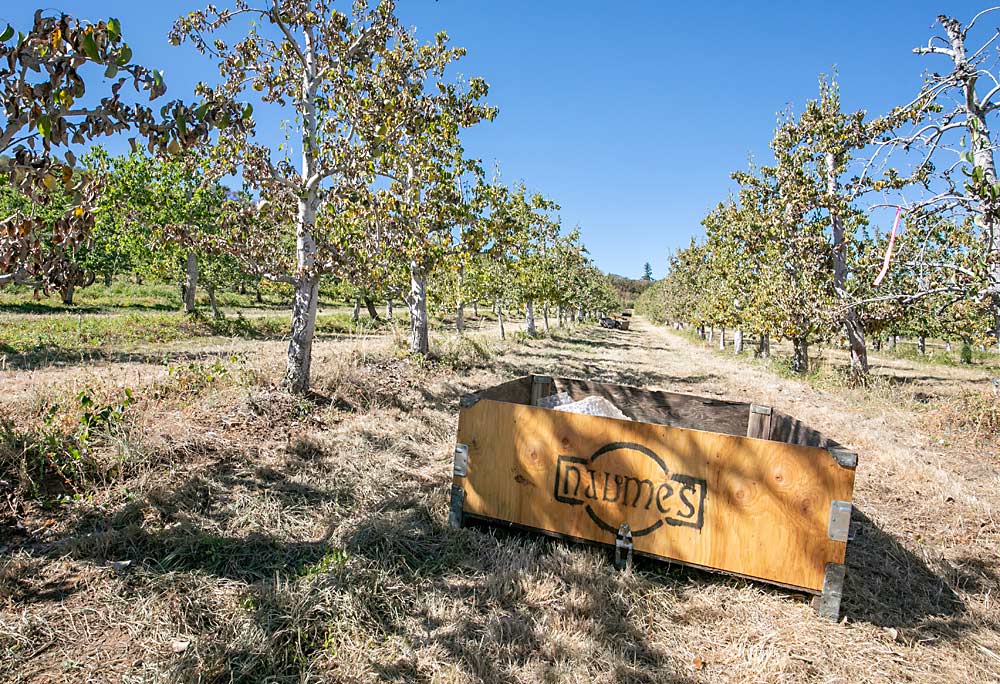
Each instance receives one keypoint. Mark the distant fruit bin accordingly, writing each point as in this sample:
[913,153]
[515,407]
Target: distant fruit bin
[719,485]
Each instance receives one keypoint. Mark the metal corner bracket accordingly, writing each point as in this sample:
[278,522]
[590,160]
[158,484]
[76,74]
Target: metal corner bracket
[840,520]
[461,467]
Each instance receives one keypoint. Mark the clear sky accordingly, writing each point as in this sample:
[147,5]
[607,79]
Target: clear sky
[631,115]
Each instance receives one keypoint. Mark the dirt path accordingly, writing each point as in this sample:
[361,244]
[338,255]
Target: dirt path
[926,561]
[294,543]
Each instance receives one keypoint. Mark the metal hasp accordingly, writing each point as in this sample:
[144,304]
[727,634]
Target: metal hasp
[623,547]
[461,468]
[840,521]
[455,517]
[827,604]
[541,386]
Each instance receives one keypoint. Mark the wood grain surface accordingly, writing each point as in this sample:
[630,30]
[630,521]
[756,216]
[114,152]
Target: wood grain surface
[752,507]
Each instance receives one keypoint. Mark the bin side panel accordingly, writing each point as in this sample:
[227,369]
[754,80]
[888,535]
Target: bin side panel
[752,507]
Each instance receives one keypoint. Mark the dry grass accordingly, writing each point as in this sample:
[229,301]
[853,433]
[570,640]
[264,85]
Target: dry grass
[272,539]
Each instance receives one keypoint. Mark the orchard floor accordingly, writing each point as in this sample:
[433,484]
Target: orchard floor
[258,538]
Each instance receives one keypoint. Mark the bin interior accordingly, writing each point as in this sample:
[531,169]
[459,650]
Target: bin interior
[664,408]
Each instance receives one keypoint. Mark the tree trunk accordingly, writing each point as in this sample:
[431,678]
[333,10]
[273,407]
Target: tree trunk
[67,293]
[370,305]
[738,341]
[947,346]
[138,278]
[579,314]
[559,315]
[722,339]
[107,279]
[303,329]
[305,300]
[877,343]
[211,300]
[921,345]
[460,316]
[892,342]
[257,295]
[475,308]
[529,318]
[545,317]
[853,328]
[388,308]
[190,288]
[356,313]
[996,316]
[711,334]
[764,346]
[701,332]
[800,355]
[499,309]
[417,301]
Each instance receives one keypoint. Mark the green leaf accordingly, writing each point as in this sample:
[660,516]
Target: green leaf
[90,47]
[247,111]
[114,28]
[111,71]
[124,55]
[7,34]
[44,126]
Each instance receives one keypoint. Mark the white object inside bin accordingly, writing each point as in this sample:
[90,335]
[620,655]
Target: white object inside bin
[588,406]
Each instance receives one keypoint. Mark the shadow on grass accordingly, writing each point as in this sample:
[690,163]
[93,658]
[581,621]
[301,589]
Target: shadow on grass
[889,586]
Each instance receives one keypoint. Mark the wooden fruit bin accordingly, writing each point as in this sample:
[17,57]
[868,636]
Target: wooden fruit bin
[718,485]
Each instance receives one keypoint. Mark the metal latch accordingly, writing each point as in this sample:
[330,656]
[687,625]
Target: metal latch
[461,460]
[840,521]
[623,547]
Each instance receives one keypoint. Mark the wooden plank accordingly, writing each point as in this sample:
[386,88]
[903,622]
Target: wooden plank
[517,391]
[759,425]
[747,506]
[786,429]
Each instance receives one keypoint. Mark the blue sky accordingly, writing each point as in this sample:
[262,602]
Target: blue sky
[631,115]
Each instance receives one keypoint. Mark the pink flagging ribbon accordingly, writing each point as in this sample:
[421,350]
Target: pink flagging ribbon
[888,250]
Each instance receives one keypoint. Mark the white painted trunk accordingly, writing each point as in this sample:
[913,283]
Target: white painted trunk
[299,360]
[417,301]
[460,316]
[722,339]
[738,341]
[356,314]
[529,318]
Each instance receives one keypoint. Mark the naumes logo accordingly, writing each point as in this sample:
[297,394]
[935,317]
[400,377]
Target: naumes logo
[646,504]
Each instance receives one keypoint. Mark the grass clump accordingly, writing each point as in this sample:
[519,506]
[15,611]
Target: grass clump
[75,446]
[973,413]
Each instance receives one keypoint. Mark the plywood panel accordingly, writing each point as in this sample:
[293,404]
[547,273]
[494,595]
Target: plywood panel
[754,507]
